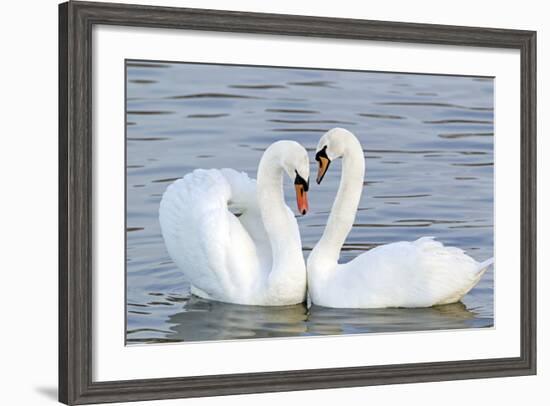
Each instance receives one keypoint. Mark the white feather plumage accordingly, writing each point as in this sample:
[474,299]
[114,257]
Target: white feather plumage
[421,273]
[225,257]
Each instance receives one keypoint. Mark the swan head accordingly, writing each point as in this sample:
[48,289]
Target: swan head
[296,165]
[294,160]
[332,145]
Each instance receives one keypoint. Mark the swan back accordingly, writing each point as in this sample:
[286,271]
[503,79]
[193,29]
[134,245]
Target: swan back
[204,238]
[421,273]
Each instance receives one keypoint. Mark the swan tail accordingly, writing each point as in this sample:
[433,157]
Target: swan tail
[452,273]
[483,266]
[481,269]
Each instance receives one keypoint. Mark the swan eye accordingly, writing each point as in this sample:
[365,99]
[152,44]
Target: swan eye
[321,154]
[301,181]
[324,163]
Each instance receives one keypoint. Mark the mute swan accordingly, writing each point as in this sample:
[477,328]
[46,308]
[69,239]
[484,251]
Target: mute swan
[253,259]
[403,274]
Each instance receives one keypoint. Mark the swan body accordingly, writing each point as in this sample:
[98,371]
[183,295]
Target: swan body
[421,273]
[253,259]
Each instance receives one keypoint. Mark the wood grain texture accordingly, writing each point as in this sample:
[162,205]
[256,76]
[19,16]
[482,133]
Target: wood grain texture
[63,247]
[76,20]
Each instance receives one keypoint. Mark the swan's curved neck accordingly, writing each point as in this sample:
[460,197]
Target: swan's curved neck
[344,209]
[279,223]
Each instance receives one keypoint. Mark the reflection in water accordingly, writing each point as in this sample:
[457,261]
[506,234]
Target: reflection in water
[428,143]
[207,320]
[204,320]
[323,320]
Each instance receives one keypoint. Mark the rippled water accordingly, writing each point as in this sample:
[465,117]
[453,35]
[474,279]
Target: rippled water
[428,143]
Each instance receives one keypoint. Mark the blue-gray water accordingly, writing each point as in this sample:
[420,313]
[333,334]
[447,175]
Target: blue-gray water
[428,144]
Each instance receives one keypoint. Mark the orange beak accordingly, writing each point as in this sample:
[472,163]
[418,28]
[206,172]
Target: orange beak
[301,199]
[324,163]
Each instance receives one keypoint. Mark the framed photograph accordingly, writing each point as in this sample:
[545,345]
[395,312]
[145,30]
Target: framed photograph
[258,202]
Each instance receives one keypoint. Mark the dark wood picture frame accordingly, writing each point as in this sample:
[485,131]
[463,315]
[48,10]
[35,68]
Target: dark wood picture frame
[76,20]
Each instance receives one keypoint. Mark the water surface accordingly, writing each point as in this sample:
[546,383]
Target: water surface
[428,143]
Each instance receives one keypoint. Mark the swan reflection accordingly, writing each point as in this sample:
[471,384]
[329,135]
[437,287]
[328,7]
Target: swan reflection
[208,320]
[325,320]
[204,320]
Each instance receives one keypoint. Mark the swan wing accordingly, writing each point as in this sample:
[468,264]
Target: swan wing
[244,204]
[406,274]
[204,238]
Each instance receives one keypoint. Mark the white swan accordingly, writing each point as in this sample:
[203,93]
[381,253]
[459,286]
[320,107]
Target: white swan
[253,259]
[403,274]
